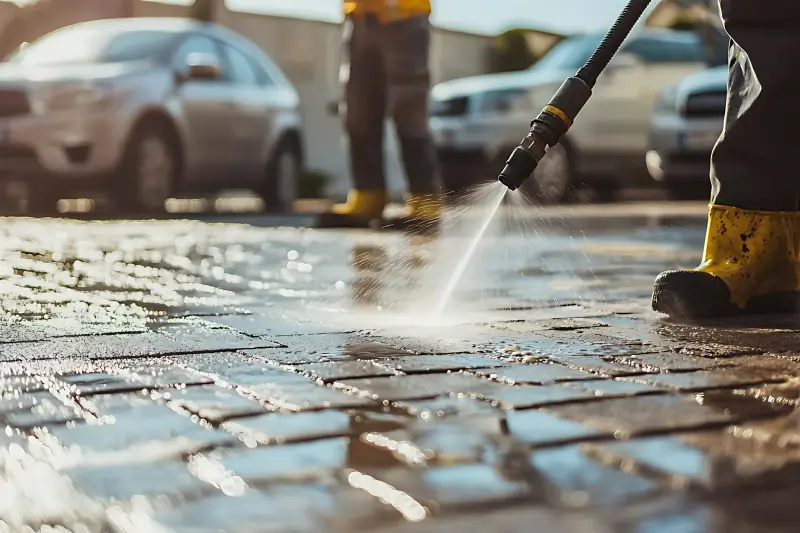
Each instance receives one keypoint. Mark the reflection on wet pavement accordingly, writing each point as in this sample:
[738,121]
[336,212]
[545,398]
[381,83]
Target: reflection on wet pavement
[180,376]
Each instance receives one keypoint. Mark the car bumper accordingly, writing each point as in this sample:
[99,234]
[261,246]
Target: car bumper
[680,148]
[72,144]
[678,167]
[471,134]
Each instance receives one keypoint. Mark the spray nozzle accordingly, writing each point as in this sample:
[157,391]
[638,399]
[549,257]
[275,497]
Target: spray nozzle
[546,130]
[524,159]
[556,118]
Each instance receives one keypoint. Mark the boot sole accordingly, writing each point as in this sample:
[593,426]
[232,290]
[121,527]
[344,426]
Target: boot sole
[693,295]
[696,295]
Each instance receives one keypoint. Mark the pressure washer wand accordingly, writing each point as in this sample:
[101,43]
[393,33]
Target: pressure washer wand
[557,116]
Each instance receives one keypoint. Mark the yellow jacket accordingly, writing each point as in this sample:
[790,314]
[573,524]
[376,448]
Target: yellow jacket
[388,10]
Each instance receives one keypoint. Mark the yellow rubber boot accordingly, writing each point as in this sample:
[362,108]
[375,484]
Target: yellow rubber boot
[750,264]
[359,211]
[362,204]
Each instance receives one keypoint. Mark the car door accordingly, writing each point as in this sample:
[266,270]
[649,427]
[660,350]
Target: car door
[668,59]
[612,115]
[617,117]
[204,108]
[248,124]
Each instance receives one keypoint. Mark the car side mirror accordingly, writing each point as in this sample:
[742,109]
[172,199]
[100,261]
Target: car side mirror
[202,67]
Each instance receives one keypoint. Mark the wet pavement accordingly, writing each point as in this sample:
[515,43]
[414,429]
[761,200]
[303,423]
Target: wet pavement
[186,376]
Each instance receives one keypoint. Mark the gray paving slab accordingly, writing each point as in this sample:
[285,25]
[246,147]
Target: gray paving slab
[234,378]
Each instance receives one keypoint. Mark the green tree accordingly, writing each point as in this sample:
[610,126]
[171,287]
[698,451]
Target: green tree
[510,52]
[684,21]
[683,25]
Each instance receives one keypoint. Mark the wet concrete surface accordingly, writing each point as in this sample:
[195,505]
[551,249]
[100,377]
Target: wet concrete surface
[163,376]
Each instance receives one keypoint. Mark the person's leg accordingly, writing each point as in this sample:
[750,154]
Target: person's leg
[365,98]
[754,165]
[750,261]
[406,47]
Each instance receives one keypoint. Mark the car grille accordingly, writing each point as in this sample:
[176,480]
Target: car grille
[13,103]
[455,107]
[710,104]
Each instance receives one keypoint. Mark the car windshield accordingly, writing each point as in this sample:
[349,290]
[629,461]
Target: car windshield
[569,54]
[93,44]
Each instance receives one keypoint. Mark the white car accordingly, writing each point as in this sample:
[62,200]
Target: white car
[687,121]
[144,109]
[481,119]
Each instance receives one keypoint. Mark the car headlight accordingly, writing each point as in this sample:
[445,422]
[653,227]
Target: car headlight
[668,100]
[505,101]
[77,96]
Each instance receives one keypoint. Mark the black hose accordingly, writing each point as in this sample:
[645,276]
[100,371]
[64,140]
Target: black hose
[556,118]
[612,41]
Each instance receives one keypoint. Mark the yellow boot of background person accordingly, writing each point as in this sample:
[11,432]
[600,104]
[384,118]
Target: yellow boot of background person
[362,204]
[750,264]
[359,211]
[388,11]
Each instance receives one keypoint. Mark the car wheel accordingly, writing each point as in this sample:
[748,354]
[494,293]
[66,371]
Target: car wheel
[460,173]
[553,178]
[604,190]
[149,171]
[283,176]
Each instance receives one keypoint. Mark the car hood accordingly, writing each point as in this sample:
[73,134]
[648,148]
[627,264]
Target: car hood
[497,82]
[713,79]
[44,74]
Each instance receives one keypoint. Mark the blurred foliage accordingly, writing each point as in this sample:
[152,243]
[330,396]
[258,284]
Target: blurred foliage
[313,184]
[683,25]
[684,22]
[709,30]
[510,52]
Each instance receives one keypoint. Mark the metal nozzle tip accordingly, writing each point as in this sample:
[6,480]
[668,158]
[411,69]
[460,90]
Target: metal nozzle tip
[507,182]
[519,167]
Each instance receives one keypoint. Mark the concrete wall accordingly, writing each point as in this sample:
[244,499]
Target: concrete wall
[44,16]
[7,12]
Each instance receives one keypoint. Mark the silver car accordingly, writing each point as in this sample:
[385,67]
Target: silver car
[686,124]
[144,110]
[476,122]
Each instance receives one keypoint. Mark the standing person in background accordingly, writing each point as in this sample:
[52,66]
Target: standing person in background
[387,46]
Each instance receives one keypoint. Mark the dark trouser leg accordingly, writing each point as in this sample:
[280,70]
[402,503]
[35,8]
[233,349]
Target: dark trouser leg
[754,165]
[365,95]
[751,260]
[406,46]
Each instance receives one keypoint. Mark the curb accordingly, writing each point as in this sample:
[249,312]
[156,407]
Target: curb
[575,217]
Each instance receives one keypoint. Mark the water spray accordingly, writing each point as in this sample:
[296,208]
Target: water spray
[557,116]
